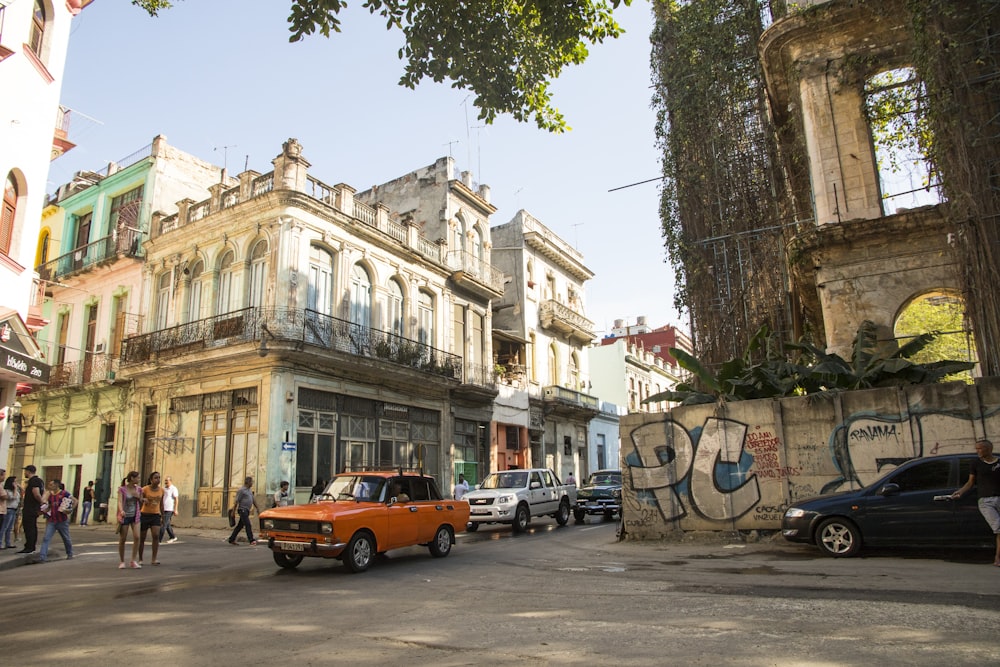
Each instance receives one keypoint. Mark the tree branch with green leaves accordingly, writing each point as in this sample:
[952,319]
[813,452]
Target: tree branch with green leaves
[506,52]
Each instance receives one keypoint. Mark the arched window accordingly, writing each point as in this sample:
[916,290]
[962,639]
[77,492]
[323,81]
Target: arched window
[195,291]
[162,300]
[42,253]
[258,269]
[574,372]
[425,318]
[477,243]
[35,40]
[361,297]
[319,296]
[394,308]
[943,312]
[9,211]
[458,235]
[225,302]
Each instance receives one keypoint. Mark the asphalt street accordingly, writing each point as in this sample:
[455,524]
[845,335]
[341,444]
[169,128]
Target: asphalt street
[551,596]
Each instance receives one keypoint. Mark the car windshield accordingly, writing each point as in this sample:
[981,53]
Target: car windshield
[365,488]
[606,479]
[506,480]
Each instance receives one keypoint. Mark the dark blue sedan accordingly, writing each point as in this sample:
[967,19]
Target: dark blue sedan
[909,506]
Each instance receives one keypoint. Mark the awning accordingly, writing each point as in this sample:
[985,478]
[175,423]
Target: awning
[19,354]
[510,335]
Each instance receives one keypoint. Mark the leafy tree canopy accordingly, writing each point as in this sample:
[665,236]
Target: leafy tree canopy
[505,51]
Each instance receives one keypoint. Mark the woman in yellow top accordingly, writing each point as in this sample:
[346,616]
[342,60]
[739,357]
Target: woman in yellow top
[151,514]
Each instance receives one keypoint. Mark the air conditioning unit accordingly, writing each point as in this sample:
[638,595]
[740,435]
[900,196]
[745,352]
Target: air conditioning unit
[99,348]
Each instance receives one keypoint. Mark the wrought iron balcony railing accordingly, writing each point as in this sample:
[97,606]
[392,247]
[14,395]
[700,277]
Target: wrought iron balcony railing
[92,368]
[267,326]
[125,243]
[555,392]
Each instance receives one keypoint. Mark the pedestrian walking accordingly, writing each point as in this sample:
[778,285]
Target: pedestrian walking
[57,521]
[88,503]
[570,480]
[984,474]
[129,500]
[31,507]
[151,515]
[461,487]
[244,505]
[13,493]
[170,498]
[281,497]
[3,502]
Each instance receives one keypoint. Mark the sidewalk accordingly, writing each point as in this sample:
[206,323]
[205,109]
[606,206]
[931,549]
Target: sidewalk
[92,535]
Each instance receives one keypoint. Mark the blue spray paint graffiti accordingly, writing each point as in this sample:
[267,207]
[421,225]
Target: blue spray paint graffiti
[711,470]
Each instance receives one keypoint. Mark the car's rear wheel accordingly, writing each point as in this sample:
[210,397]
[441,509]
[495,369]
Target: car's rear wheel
[472,526]
[838,537]
[359,552]
[521,519]
[562,516]
[287,561]
[441,546]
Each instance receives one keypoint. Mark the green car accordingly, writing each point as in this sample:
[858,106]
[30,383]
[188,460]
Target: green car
[601,494]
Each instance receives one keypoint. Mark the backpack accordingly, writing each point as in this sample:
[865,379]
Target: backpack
[67,505]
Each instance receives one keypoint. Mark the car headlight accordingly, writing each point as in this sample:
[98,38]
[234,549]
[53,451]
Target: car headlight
[326,528]
[268,524]
[503,500]
[616,493]
[794,513]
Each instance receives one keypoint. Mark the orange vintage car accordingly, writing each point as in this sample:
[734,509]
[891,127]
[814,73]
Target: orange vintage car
[361,514]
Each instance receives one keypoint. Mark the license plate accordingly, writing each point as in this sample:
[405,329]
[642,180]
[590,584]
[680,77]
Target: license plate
[479,511]
[293,546]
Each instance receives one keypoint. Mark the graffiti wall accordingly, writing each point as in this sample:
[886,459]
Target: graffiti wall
[737,466]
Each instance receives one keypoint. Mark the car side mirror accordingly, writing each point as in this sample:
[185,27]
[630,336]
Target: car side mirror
[889,490]
[535,485]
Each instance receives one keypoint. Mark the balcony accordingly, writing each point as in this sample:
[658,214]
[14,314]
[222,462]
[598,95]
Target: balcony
[291,330]
[569,403]
[474,274]
[566,321]
[125,243]
[93,368]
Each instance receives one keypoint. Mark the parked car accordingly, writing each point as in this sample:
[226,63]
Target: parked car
[361,514]
[909,506]
[601,494]
[515,496]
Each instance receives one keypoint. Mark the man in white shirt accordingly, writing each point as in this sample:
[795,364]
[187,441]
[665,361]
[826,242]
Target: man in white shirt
[170,496]
[461,487]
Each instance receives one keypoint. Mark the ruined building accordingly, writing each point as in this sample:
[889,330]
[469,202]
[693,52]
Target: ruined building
[789,200]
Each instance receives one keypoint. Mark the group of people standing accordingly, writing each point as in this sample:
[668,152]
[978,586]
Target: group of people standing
[37,498]
[145,510]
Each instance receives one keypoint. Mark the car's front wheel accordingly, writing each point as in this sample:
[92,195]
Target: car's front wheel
[562,516]
[579,514]
[472,526]
[521,519]
[287,561]
[838,537]
[441,546]
[359,552]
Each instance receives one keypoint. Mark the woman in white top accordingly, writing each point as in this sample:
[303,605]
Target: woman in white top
[12,493]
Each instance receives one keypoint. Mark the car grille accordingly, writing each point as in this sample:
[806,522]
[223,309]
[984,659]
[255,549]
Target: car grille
[292,526]
[481,501]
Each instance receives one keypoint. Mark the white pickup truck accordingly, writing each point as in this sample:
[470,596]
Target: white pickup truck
[515,496]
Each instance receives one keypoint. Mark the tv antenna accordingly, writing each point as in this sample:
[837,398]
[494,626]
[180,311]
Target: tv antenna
[225,154]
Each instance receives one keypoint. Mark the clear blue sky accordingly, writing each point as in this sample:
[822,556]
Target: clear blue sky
[209,75]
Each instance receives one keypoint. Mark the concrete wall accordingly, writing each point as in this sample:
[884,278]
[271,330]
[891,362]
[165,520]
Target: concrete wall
[738,466]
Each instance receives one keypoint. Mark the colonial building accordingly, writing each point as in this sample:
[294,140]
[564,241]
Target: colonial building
[92,231]
[293,331]
[626,374]
[33,131]
[540,333]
